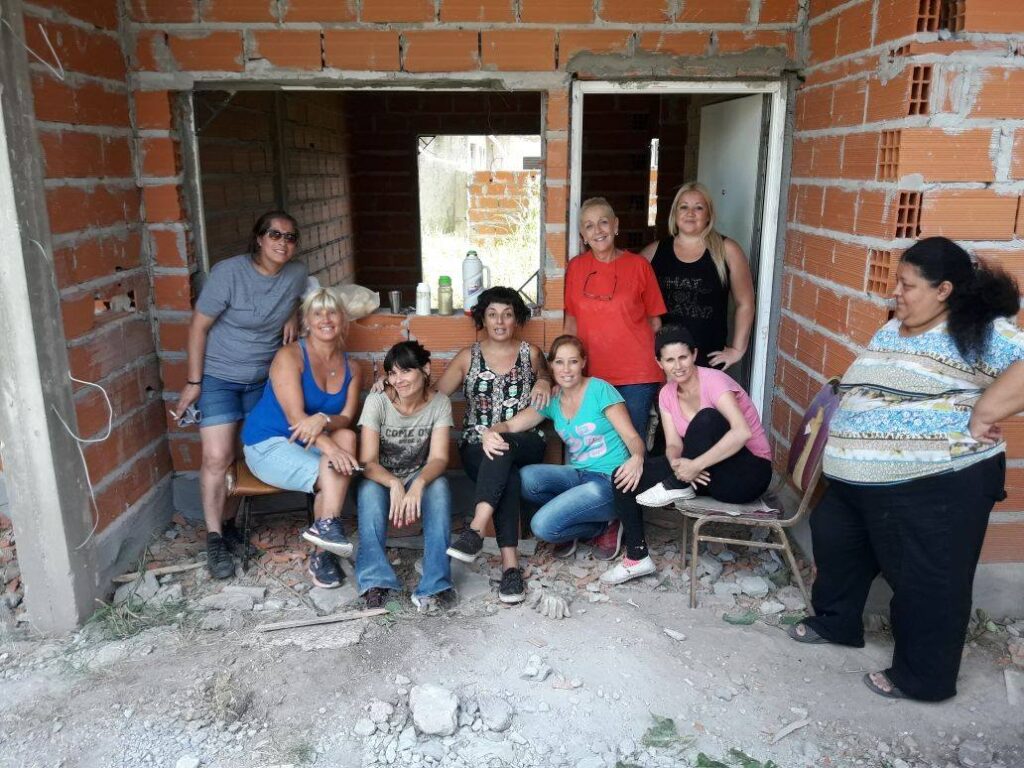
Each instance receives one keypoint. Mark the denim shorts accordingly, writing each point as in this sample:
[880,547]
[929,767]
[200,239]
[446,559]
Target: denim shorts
[225,402]
[285,465]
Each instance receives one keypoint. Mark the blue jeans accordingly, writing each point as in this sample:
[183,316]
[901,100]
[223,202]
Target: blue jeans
[372,566]
[225,402]
[576,504]
[639,398]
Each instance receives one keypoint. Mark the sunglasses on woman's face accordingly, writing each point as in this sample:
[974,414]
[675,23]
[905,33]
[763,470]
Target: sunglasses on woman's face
[277,234]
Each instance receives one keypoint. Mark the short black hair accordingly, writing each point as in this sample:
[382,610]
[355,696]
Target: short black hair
[673,333]
[259,229]
[500,294]
[407,355]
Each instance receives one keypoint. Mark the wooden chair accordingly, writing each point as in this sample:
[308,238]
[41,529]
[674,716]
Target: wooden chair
[804,471]
[243,484]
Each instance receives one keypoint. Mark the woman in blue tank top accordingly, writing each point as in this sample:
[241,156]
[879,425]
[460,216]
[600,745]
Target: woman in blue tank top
[299,437]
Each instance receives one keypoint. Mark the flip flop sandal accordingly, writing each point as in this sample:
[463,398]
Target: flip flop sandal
[892,693]
[809,636]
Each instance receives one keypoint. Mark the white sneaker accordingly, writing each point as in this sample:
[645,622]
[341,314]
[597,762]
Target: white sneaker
[660,496]
[623,572]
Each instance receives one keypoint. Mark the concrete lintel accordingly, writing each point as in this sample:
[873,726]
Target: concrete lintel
[46,480]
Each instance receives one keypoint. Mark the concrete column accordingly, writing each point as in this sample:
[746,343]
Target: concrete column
[46,480]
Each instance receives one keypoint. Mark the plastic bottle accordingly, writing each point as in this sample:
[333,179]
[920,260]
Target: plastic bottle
[445,299]
[473,280]
[422,299]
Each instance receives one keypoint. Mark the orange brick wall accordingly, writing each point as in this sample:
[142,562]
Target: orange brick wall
[100,250]
[899,134]
[494,200]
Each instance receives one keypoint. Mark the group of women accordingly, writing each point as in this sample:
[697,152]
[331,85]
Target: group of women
[914,458]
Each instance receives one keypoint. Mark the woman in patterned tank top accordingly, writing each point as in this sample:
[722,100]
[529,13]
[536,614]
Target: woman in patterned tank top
[499,376]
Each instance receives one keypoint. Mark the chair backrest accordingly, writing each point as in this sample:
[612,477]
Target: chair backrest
[808,443]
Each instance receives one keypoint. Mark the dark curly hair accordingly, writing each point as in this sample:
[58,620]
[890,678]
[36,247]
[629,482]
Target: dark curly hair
[259,229]
[500,294]
[980,294]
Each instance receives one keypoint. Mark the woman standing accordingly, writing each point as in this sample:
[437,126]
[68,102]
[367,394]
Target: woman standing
[606,459]
[698,271]
[499,376]
[916,460]
[299,436]
[714,442]
[245,311]
[404,449]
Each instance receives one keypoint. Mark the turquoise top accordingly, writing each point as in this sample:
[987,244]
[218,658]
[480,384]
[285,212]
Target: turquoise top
[589,436]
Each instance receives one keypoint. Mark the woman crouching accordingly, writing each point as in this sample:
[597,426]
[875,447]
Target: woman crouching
[404,448]
[299,436]
[606,459]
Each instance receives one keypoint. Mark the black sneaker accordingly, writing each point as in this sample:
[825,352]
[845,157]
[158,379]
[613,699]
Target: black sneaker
[233,540]
[467,546]
[376,597]
[328,534]
[324,570]
[442,601]
[218,559]
[512,589]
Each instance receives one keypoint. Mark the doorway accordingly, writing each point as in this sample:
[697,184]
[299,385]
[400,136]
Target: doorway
[636,143]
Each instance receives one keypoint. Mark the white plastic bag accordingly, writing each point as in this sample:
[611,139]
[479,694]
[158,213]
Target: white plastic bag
[359,301]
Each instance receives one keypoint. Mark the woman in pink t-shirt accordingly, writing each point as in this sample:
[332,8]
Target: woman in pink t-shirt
[714,442]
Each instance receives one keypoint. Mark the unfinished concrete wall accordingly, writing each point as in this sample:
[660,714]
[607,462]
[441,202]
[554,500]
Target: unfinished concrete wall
[908,125]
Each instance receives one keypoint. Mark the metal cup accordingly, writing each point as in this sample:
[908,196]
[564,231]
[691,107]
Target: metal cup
[395,297]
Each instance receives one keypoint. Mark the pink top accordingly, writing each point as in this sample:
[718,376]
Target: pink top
[713,384]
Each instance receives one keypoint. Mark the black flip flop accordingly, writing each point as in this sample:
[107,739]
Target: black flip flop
[809,636]
[892,693]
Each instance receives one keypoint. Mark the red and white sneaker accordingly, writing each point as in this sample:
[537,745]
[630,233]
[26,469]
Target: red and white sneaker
[628,569]
[607,545]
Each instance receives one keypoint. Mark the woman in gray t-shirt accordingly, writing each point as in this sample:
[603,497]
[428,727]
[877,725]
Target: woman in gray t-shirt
[404,447]
[246,310]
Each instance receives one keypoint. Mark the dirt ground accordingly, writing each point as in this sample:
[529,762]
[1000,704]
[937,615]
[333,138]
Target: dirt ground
[185,678]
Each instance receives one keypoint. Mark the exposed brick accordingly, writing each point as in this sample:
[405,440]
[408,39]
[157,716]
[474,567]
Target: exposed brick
[78,50]
[289,49]
[212,51]
[573,42]
[554,293]
[126,439]
[186,455]
[1000,94]
[1003,542]
[520,50]
[73,209]
[557,111]
[162,203]
[968,215]
[153,109]
[555,244]
[362,49]
[860,154]
[863,319]
[318,10]
[778,11]
[173,336]
[239,10]
[130,483]
[854,33]
[159,157]
[397,10]
[740,42]
[103,14]
[939,155]
[86,260]
[155,11]
[172,292]
[848,101]
[993,16]
[442,333]
[376,333]
[896,19]
[88,103]
[675,43]
[477,10]
[69,154]
[822,36]
[1018,155]
[714,12]
[556,11]
[888,100]
[168,248]
[814,108]
[77,315]
[636,11]
[440,51]
[110,349]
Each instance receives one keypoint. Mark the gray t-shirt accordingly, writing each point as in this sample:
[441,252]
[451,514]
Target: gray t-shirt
[250,310]
[404,440]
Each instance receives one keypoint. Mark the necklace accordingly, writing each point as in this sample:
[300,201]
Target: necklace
[327,364]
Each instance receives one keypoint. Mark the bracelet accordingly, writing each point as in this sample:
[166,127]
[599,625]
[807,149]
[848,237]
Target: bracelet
[194,383]
[321,413]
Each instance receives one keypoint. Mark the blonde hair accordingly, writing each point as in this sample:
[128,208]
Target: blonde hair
[595,202]
[325,299]
[713,241]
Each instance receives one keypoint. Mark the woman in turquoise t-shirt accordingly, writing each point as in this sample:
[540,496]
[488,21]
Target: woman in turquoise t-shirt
[606,460]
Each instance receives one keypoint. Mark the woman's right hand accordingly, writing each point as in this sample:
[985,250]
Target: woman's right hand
[188,397]
[396,513]
[339,459]
[493,444]
[377,386]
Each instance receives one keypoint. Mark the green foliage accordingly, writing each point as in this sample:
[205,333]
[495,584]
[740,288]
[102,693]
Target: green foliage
[662,734]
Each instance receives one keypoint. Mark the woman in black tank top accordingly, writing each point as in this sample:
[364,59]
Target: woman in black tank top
[698,270]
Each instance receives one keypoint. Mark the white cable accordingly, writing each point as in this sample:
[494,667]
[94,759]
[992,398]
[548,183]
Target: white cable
[58,74]
[79,441]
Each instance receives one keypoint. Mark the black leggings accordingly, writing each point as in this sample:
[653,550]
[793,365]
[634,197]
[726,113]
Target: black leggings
[924,536]
[738,479]
[497,479]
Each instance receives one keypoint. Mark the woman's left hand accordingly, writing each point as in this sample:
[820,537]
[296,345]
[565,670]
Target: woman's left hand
[540,395]
[290,330]
[984,433]
[688,471]
[725,358]
[308,429]
[627,476]
[411,503]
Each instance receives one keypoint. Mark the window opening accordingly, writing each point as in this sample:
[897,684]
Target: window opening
[652,195]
